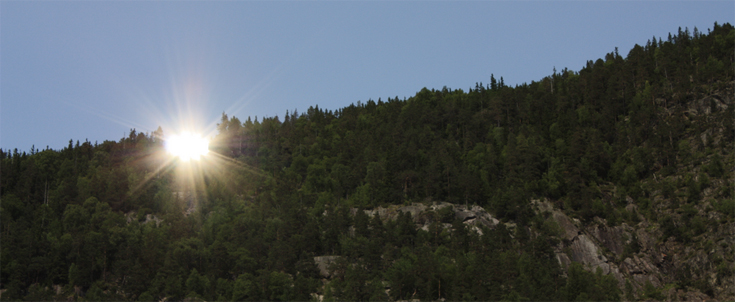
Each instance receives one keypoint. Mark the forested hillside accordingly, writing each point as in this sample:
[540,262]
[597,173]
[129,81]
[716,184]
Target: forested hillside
[633,152]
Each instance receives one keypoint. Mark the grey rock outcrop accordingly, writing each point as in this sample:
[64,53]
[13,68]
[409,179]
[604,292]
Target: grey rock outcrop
[632,254]
[323,263]
[656,260]
[471,215]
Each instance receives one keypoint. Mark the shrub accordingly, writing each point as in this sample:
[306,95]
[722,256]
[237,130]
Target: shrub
[726,206]
[651,292]
[715,167]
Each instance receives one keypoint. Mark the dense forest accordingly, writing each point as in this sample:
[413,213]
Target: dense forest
[122,220]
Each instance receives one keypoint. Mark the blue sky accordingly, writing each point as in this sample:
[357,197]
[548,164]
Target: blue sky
[94,70]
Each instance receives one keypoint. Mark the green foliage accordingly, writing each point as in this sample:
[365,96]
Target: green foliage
[632,248]
[246,223]
[694,189]
[724,270]
[586,286]
[445,214]
[668,189]
[715,168]
[197,285]
[651,292]
[629,296]
[726,206]
[668,227]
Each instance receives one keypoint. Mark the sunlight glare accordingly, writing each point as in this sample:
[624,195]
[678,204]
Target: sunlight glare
[187,146]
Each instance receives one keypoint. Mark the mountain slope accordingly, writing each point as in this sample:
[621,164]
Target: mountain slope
[625,166]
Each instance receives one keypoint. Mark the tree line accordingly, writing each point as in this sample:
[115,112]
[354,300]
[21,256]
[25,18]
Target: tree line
[86,217]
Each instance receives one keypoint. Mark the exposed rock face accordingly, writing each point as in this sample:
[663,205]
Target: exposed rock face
[152,218]
[585,251]
[149,218]
[642,271]
[323,263]
[659,261]
[611,238]
[631,254]
[475,216]
[471,215]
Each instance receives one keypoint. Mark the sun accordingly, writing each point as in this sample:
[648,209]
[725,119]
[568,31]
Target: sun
[187,146]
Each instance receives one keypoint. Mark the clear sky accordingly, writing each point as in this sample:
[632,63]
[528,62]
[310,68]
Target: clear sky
[95,69]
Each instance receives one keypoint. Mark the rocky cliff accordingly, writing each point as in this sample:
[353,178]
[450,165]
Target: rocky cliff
[642,260]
